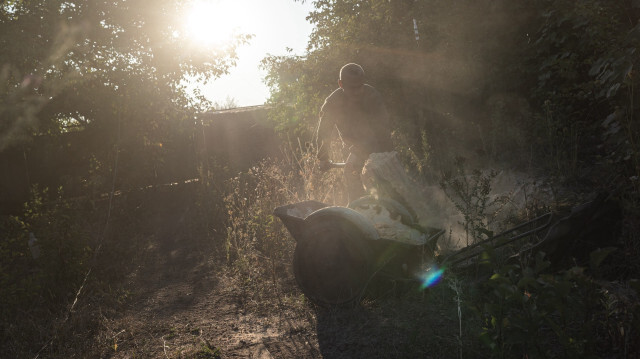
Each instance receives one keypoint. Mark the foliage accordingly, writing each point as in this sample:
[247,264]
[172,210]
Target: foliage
[580,66]
[256,242]
[45,254]
[430,84]
[93,98]
[112,72]
[543,85]
[471,195]
[295,107]
[252,225]
[499,79]
[525,307]
[577,72]
[416,154]
[532,312]
[63,243]
[550,81]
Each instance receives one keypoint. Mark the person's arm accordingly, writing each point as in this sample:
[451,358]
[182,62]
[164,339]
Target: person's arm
[326,124]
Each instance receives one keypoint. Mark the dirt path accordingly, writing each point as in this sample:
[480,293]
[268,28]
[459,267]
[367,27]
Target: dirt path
[186,303]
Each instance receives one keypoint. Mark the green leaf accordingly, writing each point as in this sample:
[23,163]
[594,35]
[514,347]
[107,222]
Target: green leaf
[527,282]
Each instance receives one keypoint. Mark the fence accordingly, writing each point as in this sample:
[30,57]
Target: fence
[236,138]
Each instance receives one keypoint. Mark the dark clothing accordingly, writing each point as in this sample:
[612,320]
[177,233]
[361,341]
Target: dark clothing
[352,179]
[363,123]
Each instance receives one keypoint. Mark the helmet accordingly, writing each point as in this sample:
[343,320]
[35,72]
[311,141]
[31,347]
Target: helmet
[352,74]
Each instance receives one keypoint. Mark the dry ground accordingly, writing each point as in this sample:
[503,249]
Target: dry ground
[186,302]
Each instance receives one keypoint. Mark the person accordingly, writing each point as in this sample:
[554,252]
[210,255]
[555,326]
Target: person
[357,111]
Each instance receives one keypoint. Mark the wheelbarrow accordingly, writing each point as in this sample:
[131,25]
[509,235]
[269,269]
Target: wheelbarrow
[339,250]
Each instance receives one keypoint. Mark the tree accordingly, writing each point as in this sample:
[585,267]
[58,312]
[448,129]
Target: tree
[91,91]
[484,77]
[582,62]
[114,69]
[426,81]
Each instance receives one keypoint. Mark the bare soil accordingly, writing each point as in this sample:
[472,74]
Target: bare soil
[186,301]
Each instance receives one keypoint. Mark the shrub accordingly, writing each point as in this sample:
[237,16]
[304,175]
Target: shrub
[470,194]
[44,256]
[256,240]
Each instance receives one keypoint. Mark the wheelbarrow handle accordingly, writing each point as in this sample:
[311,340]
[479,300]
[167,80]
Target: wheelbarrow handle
[548,217]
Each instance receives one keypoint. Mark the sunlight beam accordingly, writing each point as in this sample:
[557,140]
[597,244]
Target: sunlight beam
[212,23]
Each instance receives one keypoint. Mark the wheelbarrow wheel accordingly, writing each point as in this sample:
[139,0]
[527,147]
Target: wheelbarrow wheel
[333,264]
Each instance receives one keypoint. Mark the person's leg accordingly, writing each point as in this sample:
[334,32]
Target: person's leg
[352,172]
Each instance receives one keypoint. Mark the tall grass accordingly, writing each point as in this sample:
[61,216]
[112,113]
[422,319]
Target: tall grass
[257,245]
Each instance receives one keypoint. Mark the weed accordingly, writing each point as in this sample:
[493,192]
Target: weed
[471,196]
[455,285]
[45,251]
[257,244]
[418,155]
[207,352]
[44,256]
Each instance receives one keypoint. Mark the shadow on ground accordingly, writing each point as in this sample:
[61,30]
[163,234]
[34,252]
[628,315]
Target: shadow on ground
[176,268]
[411,325]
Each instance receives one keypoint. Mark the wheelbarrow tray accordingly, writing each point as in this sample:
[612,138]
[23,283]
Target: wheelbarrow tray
[338,251]
[293,216]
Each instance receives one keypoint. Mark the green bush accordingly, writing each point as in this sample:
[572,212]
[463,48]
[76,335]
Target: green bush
[471,196]
[530,311]
[53,265]
[44,256]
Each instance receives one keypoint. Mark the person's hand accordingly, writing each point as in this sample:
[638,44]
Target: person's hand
[324,165]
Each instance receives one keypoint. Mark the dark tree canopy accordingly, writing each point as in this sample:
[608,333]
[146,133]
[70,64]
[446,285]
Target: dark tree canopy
[84,63]
[504,78]
[113,72]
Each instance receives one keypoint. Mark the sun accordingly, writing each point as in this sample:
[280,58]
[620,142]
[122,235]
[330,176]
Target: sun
[212,23]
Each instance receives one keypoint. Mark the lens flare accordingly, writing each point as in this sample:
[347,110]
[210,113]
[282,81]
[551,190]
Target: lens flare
[431,277]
